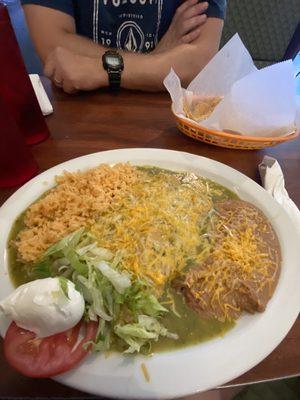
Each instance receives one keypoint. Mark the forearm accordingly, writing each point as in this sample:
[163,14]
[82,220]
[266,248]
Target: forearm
[74,72]
[79,44]
[70,41]
[147,71]
[141,71]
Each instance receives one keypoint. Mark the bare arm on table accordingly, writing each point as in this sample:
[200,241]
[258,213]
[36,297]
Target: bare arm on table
[75,61]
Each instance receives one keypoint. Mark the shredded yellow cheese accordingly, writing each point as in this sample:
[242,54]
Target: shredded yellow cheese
[157,228]
[145,372]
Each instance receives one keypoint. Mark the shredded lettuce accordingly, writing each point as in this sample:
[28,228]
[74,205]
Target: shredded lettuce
[120,281]
[117,259]
[123,304]
[93,296]
[173,304]
[149,304]
[68,241]
[92,250]
[73,259]
[85,249]
[42,269]
[63,282]
[138,334]
[103,254]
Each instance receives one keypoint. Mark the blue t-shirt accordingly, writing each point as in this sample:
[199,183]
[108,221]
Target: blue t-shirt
[133,25]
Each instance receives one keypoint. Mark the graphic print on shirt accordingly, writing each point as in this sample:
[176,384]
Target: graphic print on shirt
[131,25]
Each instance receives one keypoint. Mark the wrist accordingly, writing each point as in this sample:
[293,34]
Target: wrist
[99,74]
[113,64]
[143,72]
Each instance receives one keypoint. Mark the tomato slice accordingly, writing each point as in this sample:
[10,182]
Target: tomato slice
[46,357]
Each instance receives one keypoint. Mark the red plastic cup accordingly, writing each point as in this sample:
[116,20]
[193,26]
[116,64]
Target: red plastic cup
[16,87]
[17,164]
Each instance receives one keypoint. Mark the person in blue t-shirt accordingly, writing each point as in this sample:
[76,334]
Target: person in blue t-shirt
[146,38]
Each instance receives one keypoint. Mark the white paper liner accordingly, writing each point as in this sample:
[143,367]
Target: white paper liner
[256,102]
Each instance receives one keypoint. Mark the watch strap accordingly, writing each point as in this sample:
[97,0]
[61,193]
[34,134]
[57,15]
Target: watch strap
[114,78]
[113,69]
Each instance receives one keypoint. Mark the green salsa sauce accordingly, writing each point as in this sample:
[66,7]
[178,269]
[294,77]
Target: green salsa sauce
[19,272]
[190,327]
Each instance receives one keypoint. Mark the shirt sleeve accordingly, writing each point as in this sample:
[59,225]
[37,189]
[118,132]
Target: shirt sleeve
[216,8]
[65,6]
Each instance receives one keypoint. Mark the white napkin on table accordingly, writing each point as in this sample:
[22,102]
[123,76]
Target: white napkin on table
[273,181]
[41,94]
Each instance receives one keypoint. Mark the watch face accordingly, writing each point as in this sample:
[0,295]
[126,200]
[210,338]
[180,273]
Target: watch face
[113,61]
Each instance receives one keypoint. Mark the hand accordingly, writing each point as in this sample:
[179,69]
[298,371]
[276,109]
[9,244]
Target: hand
[73,72]
[185,26]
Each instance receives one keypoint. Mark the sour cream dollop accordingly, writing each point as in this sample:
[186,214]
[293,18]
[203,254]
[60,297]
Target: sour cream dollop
[42,307]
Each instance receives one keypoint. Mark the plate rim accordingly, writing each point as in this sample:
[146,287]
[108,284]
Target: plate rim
[67,378]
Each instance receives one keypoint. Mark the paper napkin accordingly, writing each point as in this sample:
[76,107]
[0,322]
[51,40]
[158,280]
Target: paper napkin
[254,102]
[41,94]
[273,181]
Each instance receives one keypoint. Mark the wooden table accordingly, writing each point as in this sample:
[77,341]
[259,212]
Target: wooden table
[92,122]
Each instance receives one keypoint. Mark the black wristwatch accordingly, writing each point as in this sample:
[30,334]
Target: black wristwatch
[114,65]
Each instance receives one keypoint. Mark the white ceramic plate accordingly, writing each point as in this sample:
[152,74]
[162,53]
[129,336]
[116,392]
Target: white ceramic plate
[200,367]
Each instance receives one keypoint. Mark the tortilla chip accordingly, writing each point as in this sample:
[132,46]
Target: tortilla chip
[201,108]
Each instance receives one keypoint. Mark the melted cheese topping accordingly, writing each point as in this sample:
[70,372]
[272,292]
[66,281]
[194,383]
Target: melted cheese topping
[158,227]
